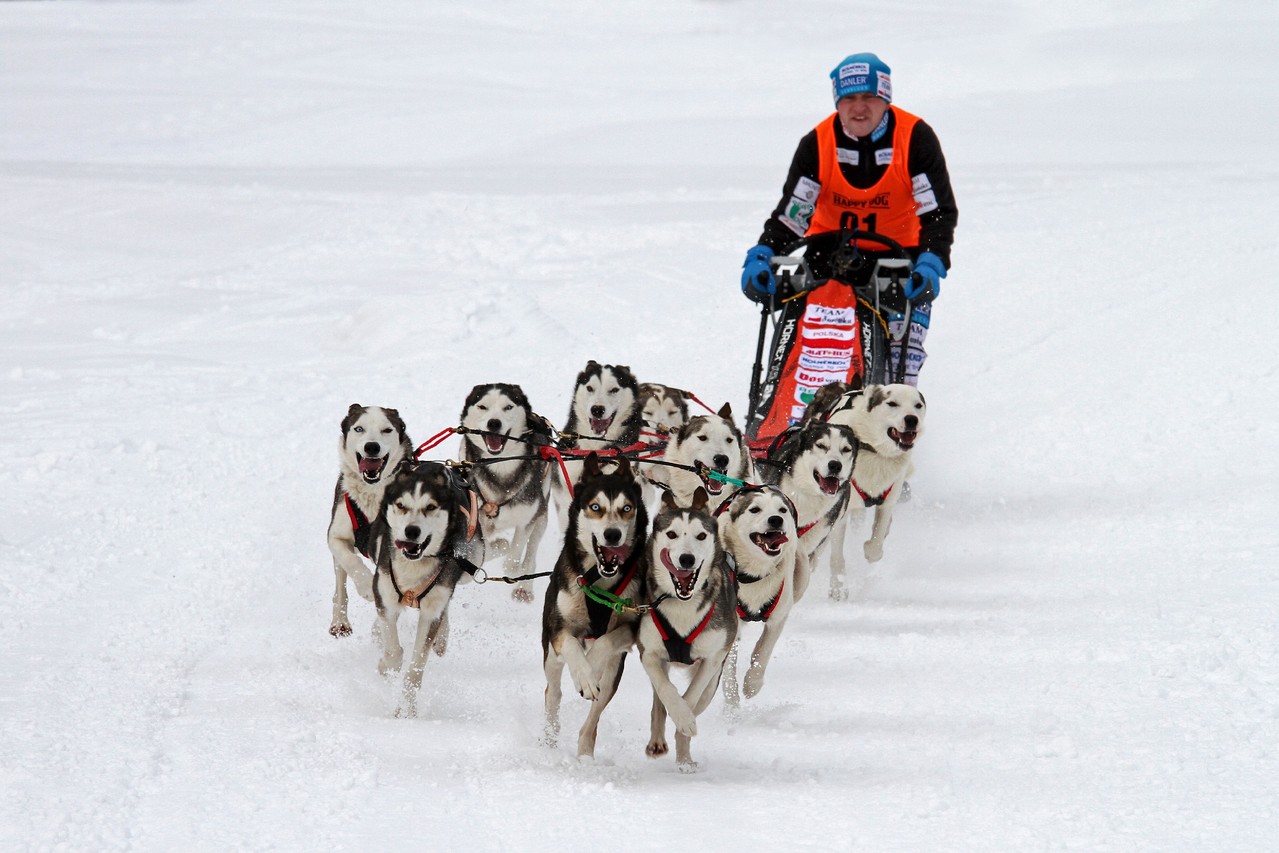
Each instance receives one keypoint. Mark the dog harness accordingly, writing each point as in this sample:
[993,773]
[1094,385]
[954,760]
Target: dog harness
[597,612]
[740,578]
[867,499]
[678,649]
[413,597]
[360,525]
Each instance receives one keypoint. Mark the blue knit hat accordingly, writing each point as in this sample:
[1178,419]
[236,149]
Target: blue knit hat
[862,72]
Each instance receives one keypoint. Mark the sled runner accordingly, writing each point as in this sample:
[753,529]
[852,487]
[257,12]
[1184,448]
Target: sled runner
[827,330]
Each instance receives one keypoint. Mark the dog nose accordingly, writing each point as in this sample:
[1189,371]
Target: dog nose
[412,532]
[721,460]
[912,422]
[612,536]
[597,411]
[687,561]
[834,468]
[372,448]
[495,425]
[775,522]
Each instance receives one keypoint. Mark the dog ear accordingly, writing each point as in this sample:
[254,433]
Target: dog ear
[623,466]
[668,500]
[876,397]
[726,412]
[591,469]
[700,499]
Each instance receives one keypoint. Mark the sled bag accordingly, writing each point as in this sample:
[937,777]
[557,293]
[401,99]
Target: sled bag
[817,341]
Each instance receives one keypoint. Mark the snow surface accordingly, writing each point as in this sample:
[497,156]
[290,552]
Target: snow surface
[223,222]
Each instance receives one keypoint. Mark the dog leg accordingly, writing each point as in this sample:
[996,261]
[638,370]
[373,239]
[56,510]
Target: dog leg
[340,625]
[732,698]
[657,730]
[675,704]
[584,678]
[838,589]
[701,690]
[874,547]
[441,644]
[388,639]
[761,655]
[590,728]
[553,666]
[523,556]
[428,625]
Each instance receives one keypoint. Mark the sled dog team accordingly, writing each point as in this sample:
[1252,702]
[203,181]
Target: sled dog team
[735,543]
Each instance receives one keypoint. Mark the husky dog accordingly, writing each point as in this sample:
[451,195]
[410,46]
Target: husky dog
[426,538]
[691,620]
[515,494]
[374,444]
[757,530]
[663,410]
[602,560]
[709,441]
[887,420]
[811,465]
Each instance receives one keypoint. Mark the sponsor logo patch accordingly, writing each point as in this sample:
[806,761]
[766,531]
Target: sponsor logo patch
[854,68]
[883,156]
[919,183]
[845,155]
[925,201]
[830,333]
[885,87]
[828,364]
[825,314]
[806,189]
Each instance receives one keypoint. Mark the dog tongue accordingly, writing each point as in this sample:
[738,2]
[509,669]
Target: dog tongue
[829,485]
[615,553]
[905,439]
[495,442]
[371,465]
[599,426]
[772,541]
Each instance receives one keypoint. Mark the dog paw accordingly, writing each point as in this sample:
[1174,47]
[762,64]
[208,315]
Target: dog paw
[689,766]
[874,550]
[685,722]
[389,665]
[340,629]
[588,688]
[753,683]
[522,593]
[656,749]
[838,592]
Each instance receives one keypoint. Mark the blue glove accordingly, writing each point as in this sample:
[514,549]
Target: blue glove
[925,284]
[758,281]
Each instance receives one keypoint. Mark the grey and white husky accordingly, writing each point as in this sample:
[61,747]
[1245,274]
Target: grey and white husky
[811,465]
[887,421]
[691,621]
[516,494]
[373,445]
[663,410]
[758,533]
[602,560]
[426,537]
[710,441]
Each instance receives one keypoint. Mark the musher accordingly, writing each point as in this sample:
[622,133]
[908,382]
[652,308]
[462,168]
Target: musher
[869,166]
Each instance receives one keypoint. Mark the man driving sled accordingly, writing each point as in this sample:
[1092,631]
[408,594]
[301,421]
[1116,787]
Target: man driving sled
[868,167]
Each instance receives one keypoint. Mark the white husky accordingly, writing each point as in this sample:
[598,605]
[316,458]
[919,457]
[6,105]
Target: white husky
[758,532]
[887,420]
[374,444]
[710,442]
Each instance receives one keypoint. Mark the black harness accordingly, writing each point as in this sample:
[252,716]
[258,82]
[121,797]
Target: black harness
[678,649]
[360,525]
[597,612]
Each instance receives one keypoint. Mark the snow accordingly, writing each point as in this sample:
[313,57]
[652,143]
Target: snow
[224,222]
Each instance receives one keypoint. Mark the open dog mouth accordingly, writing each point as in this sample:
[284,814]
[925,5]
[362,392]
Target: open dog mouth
[770,543]
[495,443]
[828,485]
[599,426]
[685,580]
[371,467]
[904,439]
[412,550]
[610,557]
[714,486]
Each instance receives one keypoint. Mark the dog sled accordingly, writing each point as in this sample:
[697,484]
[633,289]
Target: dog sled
[826,330]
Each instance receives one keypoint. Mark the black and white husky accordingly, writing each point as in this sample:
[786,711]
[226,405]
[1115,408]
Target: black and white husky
[601,562]
[710,441]
[887,420]
[516,493]
[691,621]
[811,465]
[374,444]
[426,537]
[758,533]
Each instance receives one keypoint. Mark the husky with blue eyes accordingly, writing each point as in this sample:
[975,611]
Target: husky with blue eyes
[373,446]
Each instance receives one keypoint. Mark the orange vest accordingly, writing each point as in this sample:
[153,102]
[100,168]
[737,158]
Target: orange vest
[886,208]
